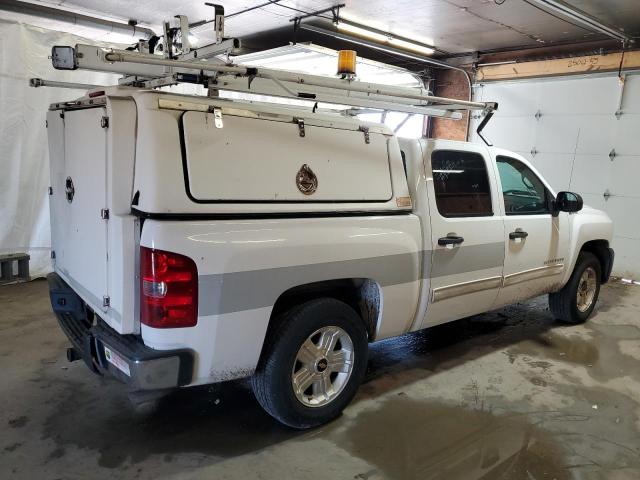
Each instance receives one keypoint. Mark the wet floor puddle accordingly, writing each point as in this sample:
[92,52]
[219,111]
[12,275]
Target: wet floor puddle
[407,439]
[603,355]
[571,349]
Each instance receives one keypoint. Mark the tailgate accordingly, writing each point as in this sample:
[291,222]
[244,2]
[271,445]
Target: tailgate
[78,151]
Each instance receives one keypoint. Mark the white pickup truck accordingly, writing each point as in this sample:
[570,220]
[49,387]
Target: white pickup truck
[197,240]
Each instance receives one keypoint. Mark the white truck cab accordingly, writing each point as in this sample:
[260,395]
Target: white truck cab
[197,239]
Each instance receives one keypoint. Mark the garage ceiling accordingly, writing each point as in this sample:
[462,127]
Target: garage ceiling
[453,26]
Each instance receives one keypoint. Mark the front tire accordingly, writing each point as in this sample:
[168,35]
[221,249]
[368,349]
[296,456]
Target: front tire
[577,299]
[312,364]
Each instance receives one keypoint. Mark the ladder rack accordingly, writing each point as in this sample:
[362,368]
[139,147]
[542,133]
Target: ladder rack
[152,71]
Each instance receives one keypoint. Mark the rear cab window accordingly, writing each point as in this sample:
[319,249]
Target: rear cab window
[461,184]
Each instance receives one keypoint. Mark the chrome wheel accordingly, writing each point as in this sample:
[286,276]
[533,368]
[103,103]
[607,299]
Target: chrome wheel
[587,287]
[323,366]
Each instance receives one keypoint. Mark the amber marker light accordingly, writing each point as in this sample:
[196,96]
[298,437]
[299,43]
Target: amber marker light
[346,62]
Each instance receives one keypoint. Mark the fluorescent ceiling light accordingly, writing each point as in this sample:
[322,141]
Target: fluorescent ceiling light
[389,38]
[347,27]
[411,46]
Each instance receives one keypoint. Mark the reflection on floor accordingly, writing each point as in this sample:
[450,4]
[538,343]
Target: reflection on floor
[509,394]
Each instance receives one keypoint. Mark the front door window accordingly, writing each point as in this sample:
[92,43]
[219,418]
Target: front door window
[522,190]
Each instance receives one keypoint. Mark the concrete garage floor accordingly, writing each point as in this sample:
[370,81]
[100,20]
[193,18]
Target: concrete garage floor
[508,394]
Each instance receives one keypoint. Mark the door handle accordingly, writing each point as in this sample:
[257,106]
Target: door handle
[450,240]
[518,234]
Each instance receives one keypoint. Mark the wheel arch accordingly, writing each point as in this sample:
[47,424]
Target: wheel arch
[600,248]
[364,295]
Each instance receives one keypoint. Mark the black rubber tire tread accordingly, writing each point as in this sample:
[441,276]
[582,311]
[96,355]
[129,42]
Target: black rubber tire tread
[563,303]
[271,381]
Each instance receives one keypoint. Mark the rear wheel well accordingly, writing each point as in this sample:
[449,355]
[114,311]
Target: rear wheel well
[362,294]
[600,248]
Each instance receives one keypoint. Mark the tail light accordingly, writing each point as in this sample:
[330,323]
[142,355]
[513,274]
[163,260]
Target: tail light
[168,289]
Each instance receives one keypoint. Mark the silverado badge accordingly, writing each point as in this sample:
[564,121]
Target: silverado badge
[306,180]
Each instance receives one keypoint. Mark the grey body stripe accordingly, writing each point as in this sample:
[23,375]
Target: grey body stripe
[236,291]
[232,292]
[466,259]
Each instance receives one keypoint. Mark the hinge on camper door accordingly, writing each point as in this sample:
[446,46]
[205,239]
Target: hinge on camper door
[104,213]
[365,130]
[106,301]
[217,116]
[300,122]
[104,122]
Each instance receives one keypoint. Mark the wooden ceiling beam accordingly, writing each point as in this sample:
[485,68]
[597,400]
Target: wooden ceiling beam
[559,67]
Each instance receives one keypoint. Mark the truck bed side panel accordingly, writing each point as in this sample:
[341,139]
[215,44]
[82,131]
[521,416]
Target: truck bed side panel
[245,265]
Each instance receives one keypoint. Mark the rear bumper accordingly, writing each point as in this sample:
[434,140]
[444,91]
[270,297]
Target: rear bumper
[105,351]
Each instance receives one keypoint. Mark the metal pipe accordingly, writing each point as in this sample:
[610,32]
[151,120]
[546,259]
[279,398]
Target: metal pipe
[40,82]
[583,18]
[122,56]
[284,76]
[387,49]
[64,16]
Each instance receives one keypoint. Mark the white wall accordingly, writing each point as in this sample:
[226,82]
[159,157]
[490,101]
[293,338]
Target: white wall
[572,138]
[24,163]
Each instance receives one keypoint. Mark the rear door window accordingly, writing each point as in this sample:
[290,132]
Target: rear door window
[461,184]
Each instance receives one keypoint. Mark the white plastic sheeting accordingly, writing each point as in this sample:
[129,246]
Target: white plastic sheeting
[24,162]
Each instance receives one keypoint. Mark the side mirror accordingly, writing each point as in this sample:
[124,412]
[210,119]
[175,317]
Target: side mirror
[568,202]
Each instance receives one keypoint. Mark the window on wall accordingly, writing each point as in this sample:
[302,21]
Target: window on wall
[522,190]
[461,184]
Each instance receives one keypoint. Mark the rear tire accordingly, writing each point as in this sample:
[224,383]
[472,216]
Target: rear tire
[312,363]
[577,299]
